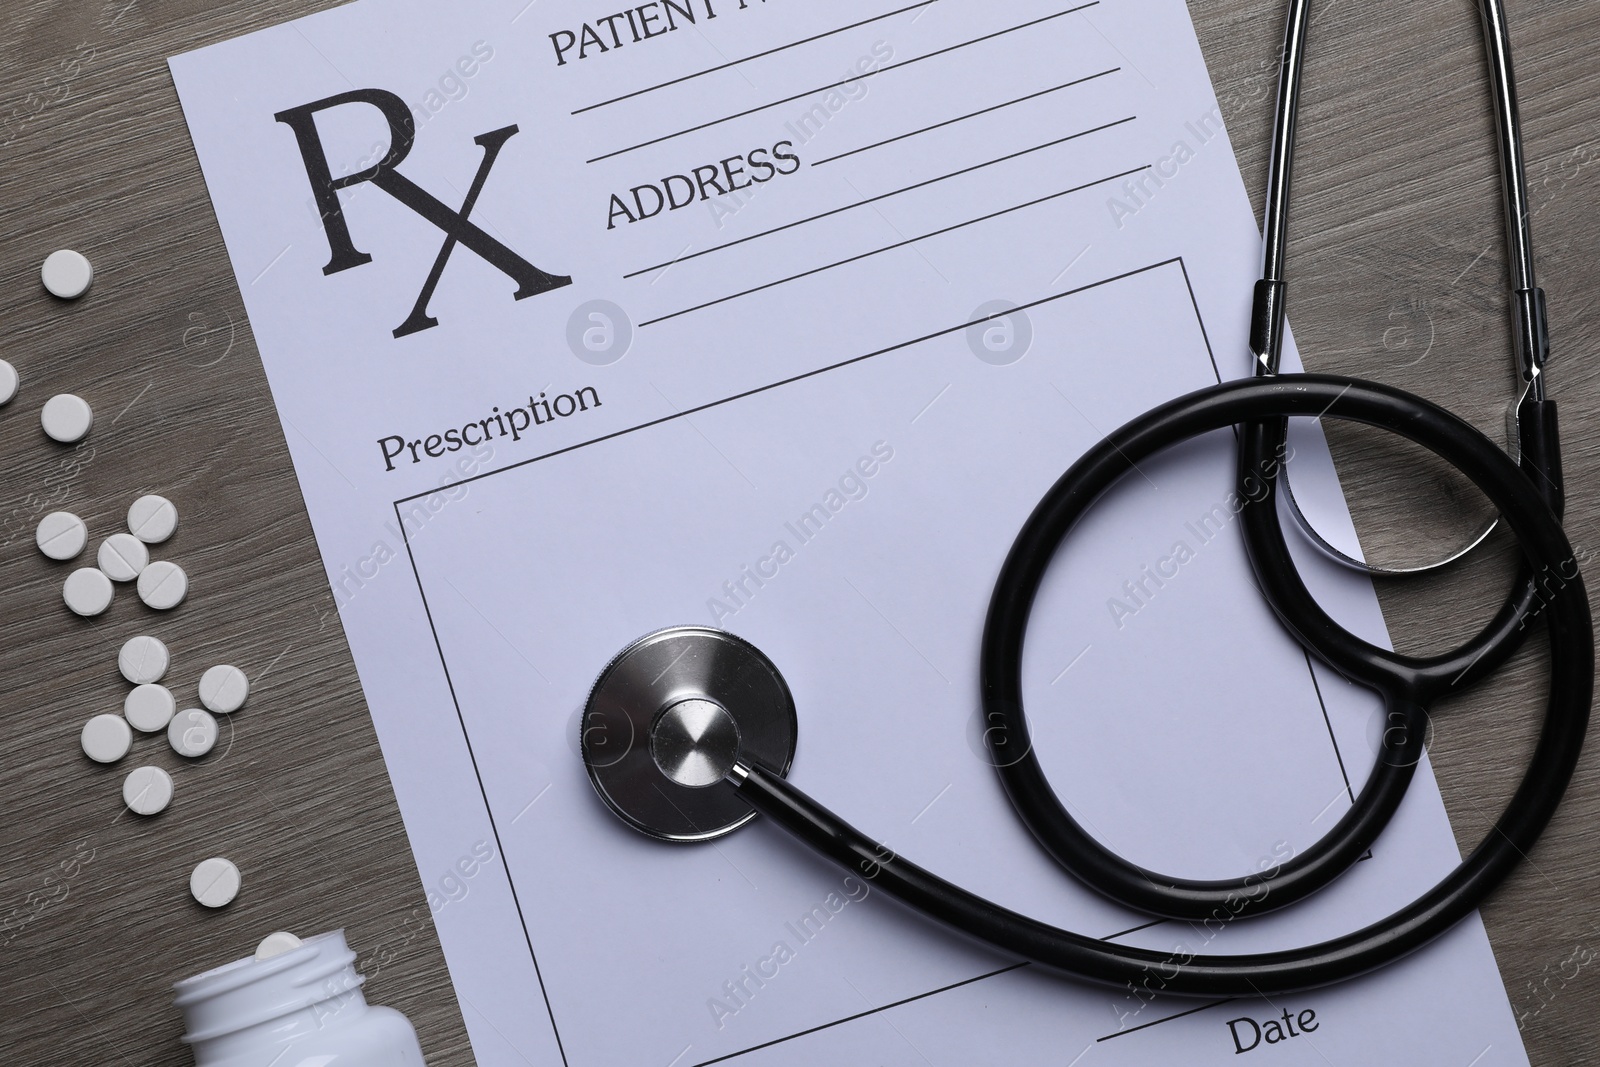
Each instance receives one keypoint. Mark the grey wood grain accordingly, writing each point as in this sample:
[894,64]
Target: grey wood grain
[1397,238]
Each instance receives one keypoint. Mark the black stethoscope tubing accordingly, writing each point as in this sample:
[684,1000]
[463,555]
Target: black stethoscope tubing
[1550,586]
[1525,492]
[1409,686]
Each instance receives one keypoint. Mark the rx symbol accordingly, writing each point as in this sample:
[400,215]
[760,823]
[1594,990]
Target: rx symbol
[456,225]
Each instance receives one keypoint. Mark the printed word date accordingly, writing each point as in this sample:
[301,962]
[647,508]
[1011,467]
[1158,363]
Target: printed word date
[1249,1035]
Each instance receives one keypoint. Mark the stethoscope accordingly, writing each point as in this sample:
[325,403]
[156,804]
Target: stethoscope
[689,732]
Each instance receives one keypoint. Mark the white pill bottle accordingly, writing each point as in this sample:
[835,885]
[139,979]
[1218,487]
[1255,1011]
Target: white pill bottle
[303,1006]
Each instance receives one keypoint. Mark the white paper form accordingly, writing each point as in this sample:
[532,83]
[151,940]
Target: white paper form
[781,317]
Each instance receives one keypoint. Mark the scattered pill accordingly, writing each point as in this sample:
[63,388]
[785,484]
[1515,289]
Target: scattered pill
[215,882]
[147,790]
[122,557]
[148,708]
[163,585]
[8,382]
[87,592]
[277,944]
[192,733]
[152,519]
[66,418]
[66,274]
[61,535]
[144,659]
[106,738]
[224,689]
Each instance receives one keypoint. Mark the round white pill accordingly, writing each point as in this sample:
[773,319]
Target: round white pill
[122,557]
[8,382]
[277,944]
[223,689]
[147,790]
[106,738]
[163,585]
[144,659]
[66,274]
[66,418]
[87,592]
[215,882]
[192,733]
[148,708]
[152,519]
[61,535]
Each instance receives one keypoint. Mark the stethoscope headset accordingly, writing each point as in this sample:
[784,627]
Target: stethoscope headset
[689,732]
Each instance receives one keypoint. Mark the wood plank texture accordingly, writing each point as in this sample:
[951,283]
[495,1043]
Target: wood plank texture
[1396,267]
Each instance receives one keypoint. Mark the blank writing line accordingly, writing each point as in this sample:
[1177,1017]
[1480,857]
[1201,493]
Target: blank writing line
[1168,1019]
[898,244]
[883,196]
[758,55]
[862,1015]
[839,84]
[963,118]
[1132,930]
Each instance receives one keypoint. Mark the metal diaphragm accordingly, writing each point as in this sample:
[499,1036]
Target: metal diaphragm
[668,718]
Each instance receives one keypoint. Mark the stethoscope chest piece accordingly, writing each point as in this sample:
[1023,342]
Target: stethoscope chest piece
[668,719]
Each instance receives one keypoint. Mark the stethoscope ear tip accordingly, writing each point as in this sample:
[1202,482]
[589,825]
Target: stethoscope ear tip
[672,722]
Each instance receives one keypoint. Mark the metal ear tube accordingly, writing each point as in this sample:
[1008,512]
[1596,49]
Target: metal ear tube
[1531,421]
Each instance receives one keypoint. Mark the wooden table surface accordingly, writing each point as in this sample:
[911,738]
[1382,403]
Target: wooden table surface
[1397,269]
